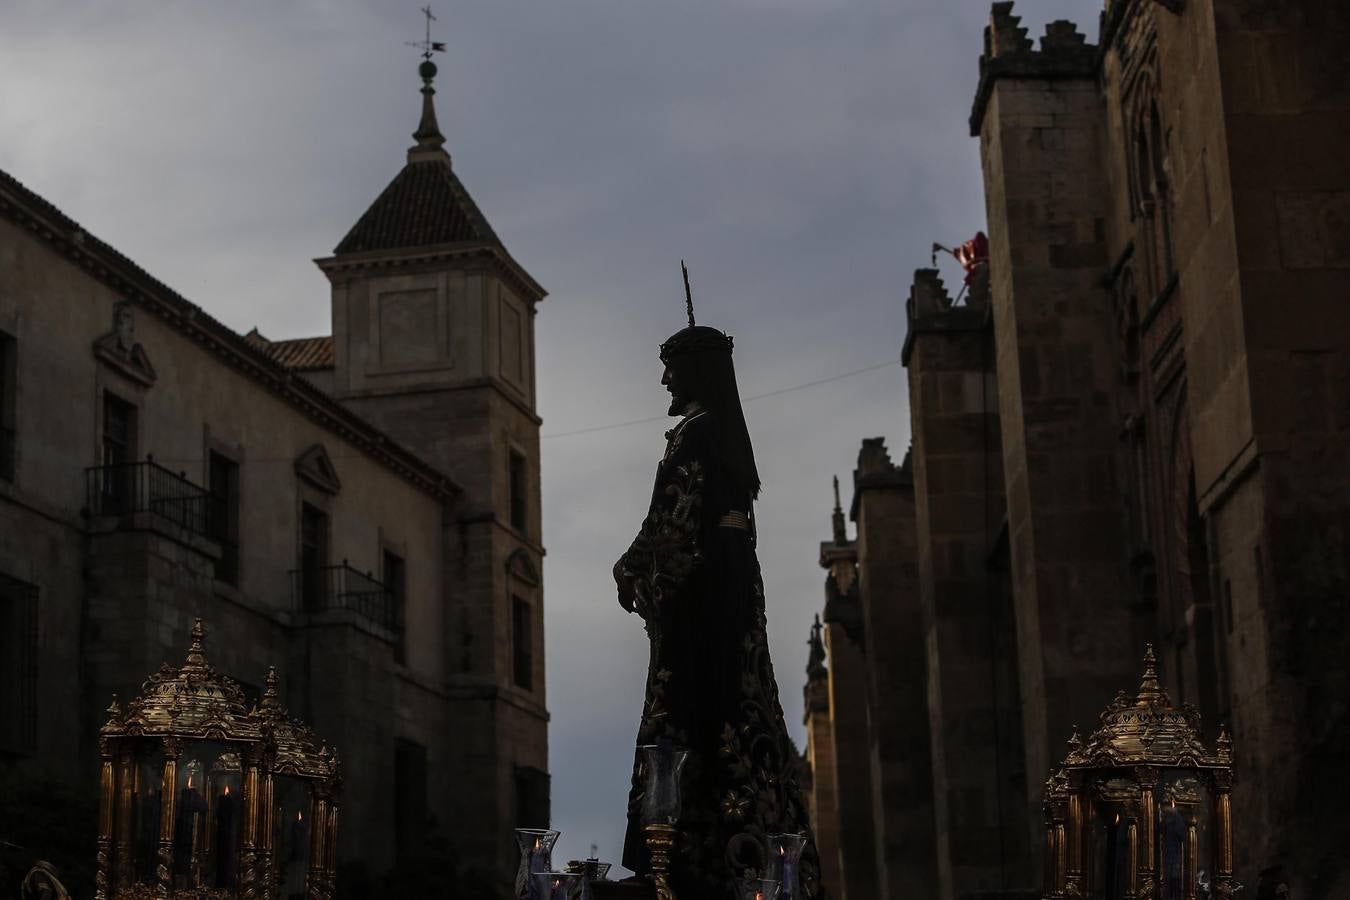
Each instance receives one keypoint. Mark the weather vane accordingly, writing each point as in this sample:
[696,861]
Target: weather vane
[427,45]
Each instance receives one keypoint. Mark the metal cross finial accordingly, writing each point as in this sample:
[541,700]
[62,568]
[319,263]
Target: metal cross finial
[427,45]
[688,297]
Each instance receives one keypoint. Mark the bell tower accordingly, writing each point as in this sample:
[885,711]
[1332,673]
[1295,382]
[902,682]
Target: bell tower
[433,338]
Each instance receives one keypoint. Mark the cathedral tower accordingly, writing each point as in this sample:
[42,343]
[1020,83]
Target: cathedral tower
[433,340]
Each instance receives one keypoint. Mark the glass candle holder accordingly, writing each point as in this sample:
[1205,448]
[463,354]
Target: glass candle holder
[785,853]
[591,870]
[661,799]
[536,855]
[556,885]
[759,889]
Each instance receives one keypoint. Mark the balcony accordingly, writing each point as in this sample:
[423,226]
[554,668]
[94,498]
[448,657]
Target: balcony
[127,489]
[325,588]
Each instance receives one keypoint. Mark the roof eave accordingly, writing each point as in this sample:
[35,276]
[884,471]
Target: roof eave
[403,256]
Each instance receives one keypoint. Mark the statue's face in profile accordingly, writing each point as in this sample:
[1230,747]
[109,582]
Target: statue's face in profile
[678,401]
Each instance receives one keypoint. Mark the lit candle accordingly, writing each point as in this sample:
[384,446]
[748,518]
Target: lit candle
[783,866]
[556,885]
[536,855]
[761,889]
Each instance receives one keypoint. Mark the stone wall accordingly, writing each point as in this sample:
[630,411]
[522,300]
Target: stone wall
[850,727]
[888,587]
[1038,117]
[821,798]
[1284,335]
[852,769]
[982,825]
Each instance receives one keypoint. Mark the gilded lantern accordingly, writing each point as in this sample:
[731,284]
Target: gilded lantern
[188,782]
[1141,810]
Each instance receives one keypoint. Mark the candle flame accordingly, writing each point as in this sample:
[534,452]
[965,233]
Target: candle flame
[189,781]
[299,816]
[1117,821]
[538,842]
[227,790]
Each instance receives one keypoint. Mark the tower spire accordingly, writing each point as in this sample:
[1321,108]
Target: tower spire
[840,533]
[430,141]
[815,662]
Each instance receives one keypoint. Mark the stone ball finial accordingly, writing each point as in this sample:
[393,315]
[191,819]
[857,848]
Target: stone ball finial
[427,70]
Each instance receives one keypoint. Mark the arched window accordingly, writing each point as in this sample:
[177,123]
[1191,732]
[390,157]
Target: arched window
[1150,188]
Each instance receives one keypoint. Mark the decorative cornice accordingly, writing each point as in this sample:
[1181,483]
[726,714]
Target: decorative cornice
[495,253]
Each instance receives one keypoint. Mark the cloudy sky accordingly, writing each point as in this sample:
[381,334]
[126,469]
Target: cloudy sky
[802,155]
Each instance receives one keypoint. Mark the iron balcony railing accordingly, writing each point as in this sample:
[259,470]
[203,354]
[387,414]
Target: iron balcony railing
[147,487]
[341,587]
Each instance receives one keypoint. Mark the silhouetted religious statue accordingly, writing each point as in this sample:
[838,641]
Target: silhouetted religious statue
[693,576]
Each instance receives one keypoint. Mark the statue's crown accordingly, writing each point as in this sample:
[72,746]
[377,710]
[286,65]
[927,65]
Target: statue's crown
[695,339]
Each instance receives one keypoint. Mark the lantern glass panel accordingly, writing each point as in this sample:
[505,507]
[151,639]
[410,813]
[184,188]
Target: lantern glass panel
[1109,844]
[224,821]
[291,815]
[192,822]
[145,811]
[1184,834]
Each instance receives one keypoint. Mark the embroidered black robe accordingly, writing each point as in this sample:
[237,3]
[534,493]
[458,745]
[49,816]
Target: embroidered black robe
[696,582]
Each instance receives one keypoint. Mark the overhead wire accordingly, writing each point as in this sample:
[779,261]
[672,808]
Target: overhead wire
[613,425]
[775,393]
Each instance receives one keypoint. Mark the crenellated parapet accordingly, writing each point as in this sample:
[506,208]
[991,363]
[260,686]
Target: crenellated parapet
[1009,53]
[876,470]
[930,308]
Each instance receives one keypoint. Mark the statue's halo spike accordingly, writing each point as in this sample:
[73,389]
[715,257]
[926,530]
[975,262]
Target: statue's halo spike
[688,297]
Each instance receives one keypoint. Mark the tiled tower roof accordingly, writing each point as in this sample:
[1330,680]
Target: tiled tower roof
[425,204]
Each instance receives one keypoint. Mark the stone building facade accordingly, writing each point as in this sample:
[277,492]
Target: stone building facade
[360,509]
[1132,426]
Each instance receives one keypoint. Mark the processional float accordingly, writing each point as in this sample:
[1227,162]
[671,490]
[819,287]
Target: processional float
[1142,810]
[204,798]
